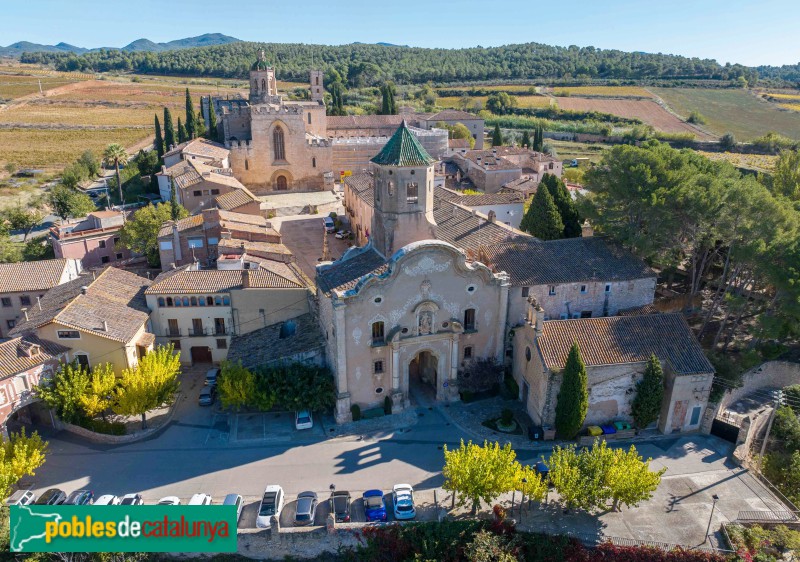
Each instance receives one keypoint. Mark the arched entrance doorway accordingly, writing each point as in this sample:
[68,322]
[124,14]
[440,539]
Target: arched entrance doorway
[281,184]
[423,374]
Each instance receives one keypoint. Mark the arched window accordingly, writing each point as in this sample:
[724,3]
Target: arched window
[160,301]
[201,301]
[281,184]
[313,162]
[178,301]
[226,301]
[193,300]
[277,141]
[264,85]
[210,301]
[317,78]
[309,118]
[390,188]
[185,301]
[169,301]
[377,333]
[255,85]
[218,301]
[246,164]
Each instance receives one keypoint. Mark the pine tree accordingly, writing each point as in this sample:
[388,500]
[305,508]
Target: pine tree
[497,136]
[646,406]
[542,218]
[565,204]
[526,139]
[191,117]
[182,134]
[573,397]
[159,140]
[169,131]
[212,121]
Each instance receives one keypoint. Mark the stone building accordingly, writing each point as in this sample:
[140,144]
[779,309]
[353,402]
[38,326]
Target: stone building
[615,350]
[94,240]
[491,170]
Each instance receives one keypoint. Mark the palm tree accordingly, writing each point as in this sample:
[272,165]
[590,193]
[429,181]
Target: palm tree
[114,155]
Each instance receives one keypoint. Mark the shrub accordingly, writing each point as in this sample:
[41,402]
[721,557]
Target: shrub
[506,417]
[355,410]
[387,405]
[697,118]
[105,427]
[512,388]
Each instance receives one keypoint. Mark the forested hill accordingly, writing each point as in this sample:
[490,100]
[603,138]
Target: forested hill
[362,65]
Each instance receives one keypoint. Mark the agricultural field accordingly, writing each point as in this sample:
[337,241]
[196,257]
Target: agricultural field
[757,162]
[601,91]
[732,111]
[647,111]
[786,101]
[509,88]
[454,102]
[567,150]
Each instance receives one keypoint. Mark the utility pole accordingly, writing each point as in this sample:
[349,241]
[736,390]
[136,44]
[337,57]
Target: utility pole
[715,497]
[41,93]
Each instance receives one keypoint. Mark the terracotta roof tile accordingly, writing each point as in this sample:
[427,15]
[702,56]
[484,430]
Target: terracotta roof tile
[183,224]
[16,356]
[235,199]
[624,339]
[452,115]
[31,275]
[481,199]
[263,347]
[215,281]
[344,274]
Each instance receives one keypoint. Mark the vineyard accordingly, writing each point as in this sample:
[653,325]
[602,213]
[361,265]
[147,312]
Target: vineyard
[456,102]
[757,162]
[601,91]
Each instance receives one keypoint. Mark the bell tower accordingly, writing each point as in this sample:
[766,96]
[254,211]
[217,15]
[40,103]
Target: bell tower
[317,86]
[403,194]
[262,80]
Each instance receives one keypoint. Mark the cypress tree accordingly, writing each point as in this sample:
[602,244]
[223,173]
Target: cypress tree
[182,134]
[573,397]
[200,125]
[566,206]
[646,406]
[497,136]
[158,143]
[191,117]
[526,139]
[542,218]
[174,208]
[538,138]
[212,121]
[169,130]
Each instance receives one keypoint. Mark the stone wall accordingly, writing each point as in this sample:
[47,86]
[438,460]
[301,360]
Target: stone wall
[769,375]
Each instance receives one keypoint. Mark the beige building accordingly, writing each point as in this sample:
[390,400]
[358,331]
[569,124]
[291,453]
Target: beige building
[615,351]
[198,185]
[101,317]
[200,311]
[23,284]
[490,170]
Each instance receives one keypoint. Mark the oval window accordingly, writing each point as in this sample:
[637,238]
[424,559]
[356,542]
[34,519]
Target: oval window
[404,331]
[378,300]
[471,289]
[379,390]
[445,324]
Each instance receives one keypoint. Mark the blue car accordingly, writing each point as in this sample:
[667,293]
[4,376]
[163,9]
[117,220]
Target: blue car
[374,506]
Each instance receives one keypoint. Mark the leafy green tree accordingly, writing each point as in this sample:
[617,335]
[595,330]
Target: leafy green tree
[629,478]
[786,175]
[199,125]
[542,218]
[37,249]
[99,394]
[646,405]
[191,117]
[140,233]
[68,203]
[24,219]
[115,155]
[236,385]
[298,386]
[74,174]
[20,455]
[497,136]
[500,103]
[792,396]
[526,139]
[565,204]
[89,160]
[481,473]
[573,397]
[728,142]
[183,136]
[169,130]
[151,383]
[63,392]
[580,477]
[212,121]
[458,131]
[158,143]
[10,252]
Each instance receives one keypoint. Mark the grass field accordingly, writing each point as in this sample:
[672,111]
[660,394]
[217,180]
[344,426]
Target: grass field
[603,91]
[522,101]
[732,111]
[758,162]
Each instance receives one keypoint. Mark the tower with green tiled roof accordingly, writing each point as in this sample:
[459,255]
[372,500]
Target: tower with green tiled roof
[262,80]
[403,177]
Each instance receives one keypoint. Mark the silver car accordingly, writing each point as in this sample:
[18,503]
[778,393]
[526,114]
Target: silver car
[306,508]
[235,500]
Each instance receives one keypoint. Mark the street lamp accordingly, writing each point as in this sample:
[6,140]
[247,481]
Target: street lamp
[522,500]
[332,488]
[714,497]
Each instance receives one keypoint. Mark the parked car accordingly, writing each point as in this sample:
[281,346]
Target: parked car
[328,224]
[107,499]
[21,497]
[207,395]
[343,234]
[80,497]
[303,420]
[403,500]
[339,504]
[169,500]
[271,504]
[306,508]
[200,499]
[235,500]
[211,376]
[131,499]
[53,496]
[374,506]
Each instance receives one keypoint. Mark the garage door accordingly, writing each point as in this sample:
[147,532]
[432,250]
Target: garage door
[201,354]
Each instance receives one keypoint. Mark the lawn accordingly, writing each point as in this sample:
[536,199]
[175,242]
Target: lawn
[732,111]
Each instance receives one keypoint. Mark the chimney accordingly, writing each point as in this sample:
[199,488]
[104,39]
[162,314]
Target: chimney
[494,152]
[105,326]
[25,312]
[245,279]
[84,290]
[163,169]
[586,229]
[39,302]
[492,215]
[176,242]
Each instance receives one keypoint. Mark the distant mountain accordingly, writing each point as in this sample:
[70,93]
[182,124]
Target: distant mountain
[205,40]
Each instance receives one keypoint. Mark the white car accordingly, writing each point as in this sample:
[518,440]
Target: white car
[169,500]
[328,225]
[271,504]
[108,499]
[403,502]
[21,497]
[303,420]
[131,499]
[343,234]
[200,499]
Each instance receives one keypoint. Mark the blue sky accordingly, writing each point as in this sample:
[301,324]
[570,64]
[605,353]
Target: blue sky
[749,32]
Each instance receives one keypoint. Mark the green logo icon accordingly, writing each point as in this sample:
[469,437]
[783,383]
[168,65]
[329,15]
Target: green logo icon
[123,528]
